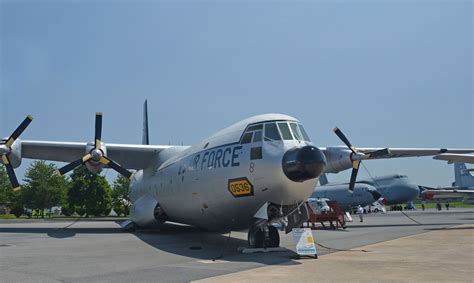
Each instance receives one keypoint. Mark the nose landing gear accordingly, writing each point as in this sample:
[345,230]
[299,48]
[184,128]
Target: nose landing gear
[263,236]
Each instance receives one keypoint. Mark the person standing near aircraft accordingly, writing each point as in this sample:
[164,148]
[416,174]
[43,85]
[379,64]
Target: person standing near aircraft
[423,203]
[446,204]
[360,210]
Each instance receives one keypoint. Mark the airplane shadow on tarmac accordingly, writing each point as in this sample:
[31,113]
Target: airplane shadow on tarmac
[194,242]
[177,239]
[60,233]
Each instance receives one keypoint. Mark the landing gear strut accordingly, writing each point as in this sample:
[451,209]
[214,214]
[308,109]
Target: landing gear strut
[264,236]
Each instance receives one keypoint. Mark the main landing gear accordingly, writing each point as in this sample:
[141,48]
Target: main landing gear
[263,236]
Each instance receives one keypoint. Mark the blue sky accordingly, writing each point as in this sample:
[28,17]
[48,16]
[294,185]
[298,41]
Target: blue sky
[389,73]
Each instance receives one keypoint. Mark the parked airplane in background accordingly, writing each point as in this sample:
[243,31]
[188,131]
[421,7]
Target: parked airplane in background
[463,186]
[394,189]
[362,195]
[254,173]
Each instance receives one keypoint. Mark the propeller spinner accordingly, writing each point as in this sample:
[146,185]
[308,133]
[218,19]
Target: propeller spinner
[96,154]
[357,157]
[6,147]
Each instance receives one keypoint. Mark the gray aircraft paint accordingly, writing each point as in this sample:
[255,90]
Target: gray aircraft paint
[363,194]
[462,176]
[395,189]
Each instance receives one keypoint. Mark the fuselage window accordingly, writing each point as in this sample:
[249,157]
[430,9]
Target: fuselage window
[247,138]
[296,131]
[303,132]
[257,137]
[271,132]
[285,131]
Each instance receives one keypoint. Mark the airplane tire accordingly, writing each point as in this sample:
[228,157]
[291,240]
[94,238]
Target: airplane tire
[256,237]
[273,240]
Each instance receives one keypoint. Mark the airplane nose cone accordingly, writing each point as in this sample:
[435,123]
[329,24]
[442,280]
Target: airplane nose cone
[375,194]
[303,163]
[415,191]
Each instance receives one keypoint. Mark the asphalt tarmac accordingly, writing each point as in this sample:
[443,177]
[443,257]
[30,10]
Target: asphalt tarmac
[98,251]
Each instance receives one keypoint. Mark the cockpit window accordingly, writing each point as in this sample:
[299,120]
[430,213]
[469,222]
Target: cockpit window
[257,137]
[247,138]
[255,131]
[255,127]
[271,132]
[296,131]
[285,131]
[303,132]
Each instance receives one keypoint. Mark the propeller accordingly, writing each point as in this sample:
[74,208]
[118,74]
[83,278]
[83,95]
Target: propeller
[6,148]
[357,157]
[96,154]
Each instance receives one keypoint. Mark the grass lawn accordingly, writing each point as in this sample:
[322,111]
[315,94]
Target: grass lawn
[454,204]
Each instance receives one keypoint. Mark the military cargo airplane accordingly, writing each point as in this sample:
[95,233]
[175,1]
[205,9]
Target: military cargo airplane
[395,188]
[391,189]
[256,172]
[363,194]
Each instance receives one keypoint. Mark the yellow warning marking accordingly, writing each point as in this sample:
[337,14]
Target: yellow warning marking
[10,142]
[356,164]
[104,160]
[86,157]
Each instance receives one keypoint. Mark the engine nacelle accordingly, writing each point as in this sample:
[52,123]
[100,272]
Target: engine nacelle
[146,212]
[337,159]
[14,155]
[93,165]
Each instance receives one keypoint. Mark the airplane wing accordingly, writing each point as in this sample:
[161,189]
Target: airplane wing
[459,158]
[412,152]
[128,155]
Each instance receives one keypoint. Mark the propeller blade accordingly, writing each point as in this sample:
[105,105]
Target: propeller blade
[10,172]
[19,130]
[63,170]
[378,153]
[98,130]
[355,170]
[114,165]
[344,139]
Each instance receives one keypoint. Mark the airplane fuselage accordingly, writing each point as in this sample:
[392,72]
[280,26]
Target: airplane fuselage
[395,189]
[218,185]
[363,195]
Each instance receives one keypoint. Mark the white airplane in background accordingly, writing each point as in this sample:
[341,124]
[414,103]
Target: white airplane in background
[463,186]
[254,173]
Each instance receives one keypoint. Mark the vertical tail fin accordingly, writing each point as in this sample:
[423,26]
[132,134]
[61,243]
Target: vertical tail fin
[462,176]
[145,136]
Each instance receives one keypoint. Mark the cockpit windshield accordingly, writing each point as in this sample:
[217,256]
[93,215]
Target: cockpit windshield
[274,131]
[271,132]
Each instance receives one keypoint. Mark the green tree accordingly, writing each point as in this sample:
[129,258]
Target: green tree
[8,197]
[43,187]
[89,193]
[5,188]
[120,197]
